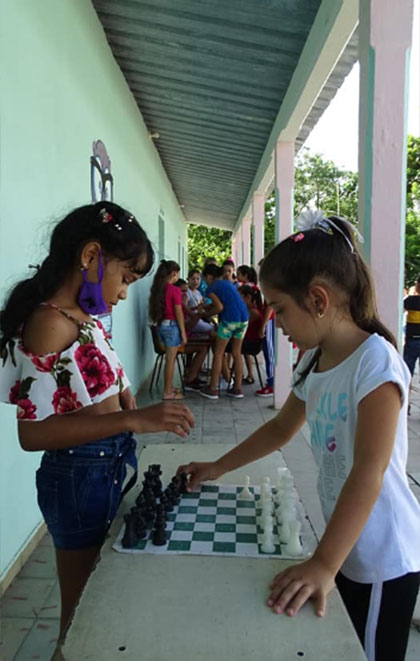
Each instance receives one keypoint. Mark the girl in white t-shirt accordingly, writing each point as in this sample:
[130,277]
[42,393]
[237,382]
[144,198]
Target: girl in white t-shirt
[351,386]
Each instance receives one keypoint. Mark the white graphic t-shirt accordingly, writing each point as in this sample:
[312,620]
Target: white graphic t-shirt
[389,545]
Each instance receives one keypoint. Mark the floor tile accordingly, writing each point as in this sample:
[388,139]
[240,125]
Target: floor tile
[26,596]
[41,641]
[40,564]
[13,632]
[51,608]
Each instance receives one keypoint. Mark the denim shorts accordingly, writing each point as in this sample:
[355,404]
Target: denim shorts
[169,333]
[80,489]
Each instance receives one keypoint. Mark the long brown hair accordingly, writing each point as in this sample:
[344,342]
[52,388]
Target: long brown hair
[293,264]
[157,291]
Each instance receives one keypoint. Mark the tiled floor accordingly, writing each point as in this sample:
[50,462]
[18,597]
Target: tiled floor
[30,607]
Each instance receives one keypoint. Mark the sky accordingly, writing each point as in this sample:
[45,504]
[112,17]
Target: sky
[336,134]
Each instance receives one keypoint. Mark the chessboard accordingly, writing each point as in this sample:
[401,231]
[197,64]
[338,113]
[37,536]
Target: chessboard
[214,520]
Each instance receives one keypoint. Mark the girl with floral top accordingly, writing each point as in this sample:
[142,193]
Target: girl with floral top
[70,390]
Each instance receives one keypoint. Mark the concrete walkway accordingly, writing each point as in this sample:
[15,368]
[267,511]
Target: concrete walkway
[30,607]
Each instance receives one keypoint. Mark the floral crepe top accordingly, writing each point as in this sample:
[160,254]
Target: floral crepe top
[55,383]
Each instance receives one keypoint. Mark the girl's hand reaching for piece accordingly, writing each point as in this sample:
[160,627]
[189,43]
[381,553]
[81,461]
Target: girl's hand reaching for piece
[294,586]
[200,472]
[167,416]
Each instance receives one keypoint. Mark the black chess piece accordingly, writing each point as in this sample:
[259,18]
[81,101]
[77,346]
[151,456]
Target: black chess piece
[149,496]
[173,494]
[166,502]
[149,513]
[157,487]
[155,469]
[140,500]
[159,537]
[129,539]
[183,482]
[139,522]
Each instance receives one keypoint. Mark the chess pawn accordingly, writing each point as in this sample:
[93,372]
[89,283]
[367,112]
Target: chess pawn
[166,502]
[294,546]
[265,493]
[245,493]
[129,539]
[268,545]
[184,482]
[159,537]
[280,472]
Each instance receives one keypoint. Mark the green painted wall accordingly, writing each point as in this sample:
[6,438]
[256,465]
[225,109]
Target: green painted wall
[60,89]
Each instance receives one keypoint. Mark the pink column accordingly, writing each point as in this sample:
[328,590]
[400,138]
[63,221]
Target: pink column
[246,241]
[384,44]
[258,208]
[284,181]
[233,247]
[236,246]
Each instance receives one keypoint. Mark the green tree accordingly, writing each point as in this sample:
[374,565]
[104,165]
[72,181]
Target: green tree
[412,230]
[207,242]
[319,184]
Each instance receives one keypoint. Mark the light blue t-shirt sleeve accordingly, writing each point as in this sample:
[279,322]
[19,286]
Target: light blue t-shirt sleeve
[382,364]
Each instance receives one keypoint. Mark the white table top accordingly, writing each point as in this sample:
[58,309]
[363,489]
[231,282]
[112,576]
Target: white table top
[184,607]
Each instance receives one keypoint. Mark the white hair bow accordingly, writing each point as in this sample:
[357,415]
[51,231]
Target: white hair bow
[315,219]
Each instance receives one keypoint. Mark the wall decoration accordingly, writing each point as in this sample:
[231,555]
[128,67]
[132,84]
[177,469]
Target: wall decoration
[101,179]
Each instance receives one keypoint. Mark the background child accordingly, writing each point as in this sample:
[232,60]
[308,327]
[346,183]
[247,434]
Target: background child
[228,267]
[194,300]
[252,340]
[69,387]
[412,329]
[165,309]
[195,349]
[247,275]
[233,322]
[352,387]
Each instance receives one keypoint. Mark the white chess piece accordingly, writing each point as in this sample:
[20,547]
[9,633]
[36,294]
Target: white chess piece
[266,509]
[268,523]
[268,545]
[265,491]
[284,532]
[293,546]
[246,494]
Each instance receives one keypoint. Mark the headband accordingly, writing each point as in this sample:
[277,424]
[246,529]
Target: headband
[314,219]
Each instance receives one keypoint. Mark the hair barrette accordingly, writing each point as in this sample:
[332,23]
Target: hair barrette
[298,237]
[106,217]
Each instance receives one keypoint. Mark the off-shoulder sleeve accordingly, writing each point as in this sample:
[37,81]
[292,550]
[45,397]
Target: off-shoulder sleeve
[56,383]
[38,385]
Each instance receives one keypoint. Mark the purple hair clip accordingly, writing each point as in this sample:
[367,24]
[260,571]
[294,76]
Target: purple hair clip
[298,237]
[105,215]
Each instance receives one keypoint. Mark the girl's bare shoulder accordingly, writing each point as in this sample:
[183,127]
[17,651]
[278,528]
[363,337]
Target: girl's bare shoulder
[48,330]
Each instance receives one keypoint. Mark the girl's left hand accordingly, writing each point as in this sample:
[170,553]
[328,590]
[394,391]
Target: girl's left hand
[127,400]
[294,586]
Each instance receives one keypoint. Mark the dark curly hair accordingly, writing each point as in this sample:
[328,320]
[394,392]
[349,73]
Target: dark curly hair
[121,238]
